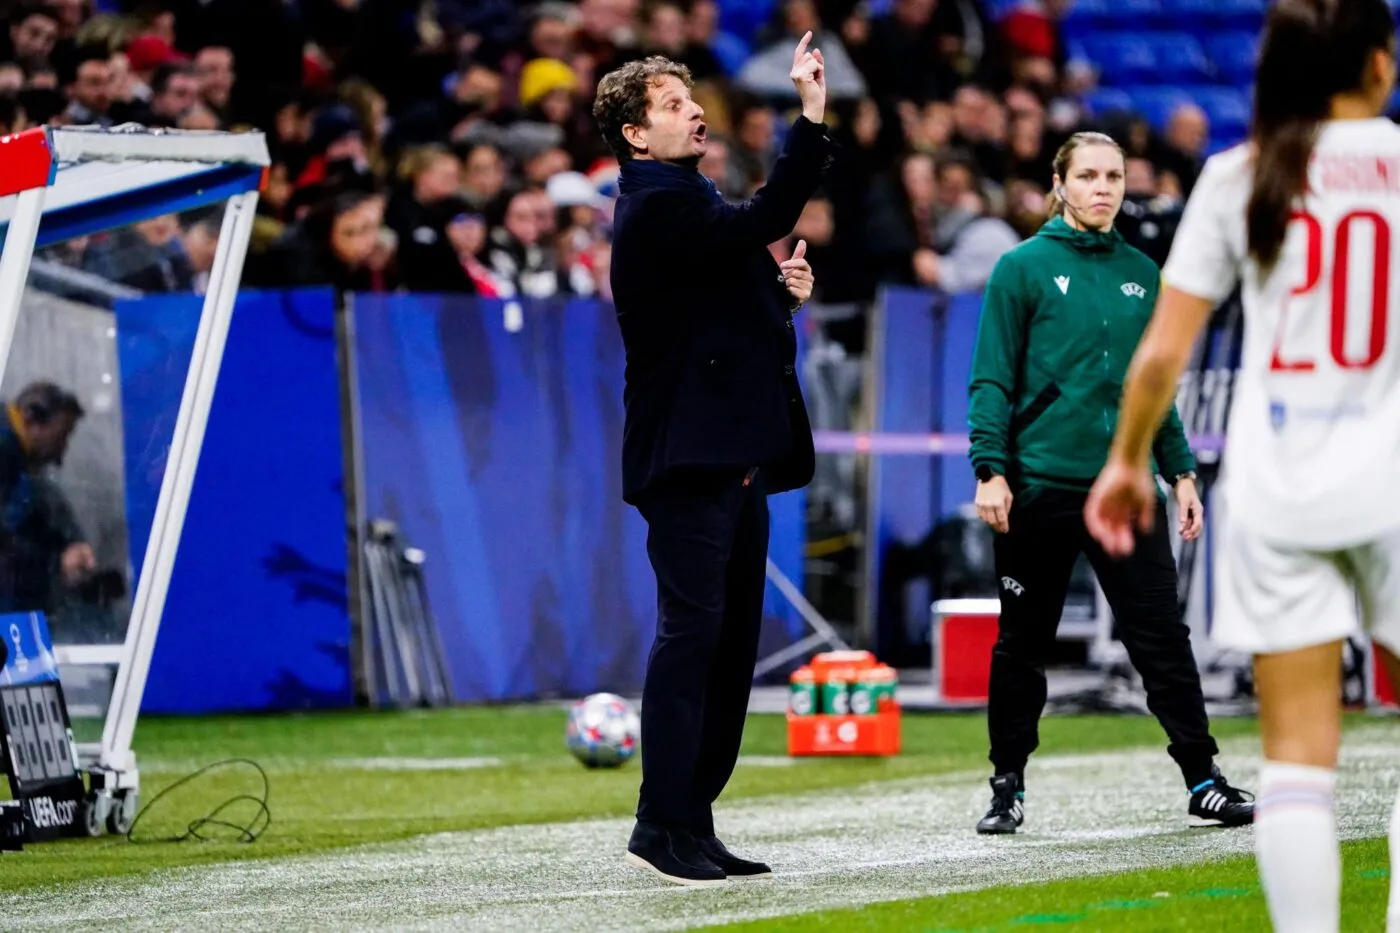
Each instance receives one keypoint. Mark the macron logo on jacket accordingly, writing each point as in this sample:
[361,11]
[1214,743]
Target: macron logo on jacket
[1063,282]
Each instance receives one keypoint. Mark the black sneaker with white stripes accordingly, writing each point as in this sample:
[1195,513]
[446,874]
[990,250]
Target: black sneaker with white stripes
[1008,807]
[1216,803]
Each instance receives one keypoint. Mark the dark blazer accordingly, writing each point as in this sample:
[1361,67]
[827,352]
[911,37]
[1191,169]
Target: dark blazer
[706,321]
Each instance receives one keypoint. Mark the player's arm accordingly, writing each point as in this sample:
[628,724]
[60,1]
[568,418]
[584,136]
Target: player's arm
[1171,448]
[1201,271]
[766,217]
[1156,369]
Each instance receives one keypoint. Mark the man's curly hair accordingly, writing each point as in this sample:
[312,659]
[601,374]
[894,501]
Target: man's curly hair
[622,98]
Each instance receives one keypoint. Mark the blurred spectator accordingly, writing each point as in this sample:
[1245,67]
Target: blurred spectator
[519,253]
[174,92]
[668,31]
[1188,131]
[32,35]
[90,88]
[483,175]
[148,255]
[40,542]
[470,120]
[200,241]
[334,244]
[1151,209]
[429,174]
[766,73]
[214,68]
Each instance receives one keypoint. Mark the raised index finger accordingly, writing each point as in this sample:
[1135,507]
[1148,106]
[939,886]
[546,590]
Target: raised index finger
[802,47]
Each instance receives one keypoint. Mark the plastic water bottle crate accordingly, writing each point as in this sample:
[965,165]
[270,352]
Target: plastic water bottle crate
[843,703]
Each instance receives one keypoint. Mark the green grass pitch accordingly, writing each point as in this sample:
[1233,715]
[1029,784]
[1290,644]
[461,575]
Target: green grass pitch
[479,819]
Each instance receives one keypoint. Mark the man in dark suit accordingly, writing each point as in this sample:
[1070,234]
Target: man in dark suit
[715,423]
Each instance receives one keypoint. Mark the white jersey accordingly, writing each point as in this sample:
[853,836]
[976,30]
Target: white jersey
[1313,456]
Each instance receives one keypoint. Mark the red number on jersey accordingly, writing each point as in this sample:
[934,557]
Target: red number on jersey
[1341,263]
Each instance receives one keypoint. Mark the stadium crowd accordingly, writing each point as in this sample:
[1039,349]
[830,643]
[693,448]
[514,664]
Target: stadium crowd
[448,145]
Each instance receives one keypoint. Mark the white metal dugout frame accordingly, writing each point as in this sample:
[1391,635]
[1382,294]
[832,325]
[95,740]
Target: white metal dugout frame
[74,181]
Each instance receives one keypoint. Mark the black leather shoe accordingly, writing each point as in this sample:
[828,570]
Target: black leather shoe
[728,862]
[672,855]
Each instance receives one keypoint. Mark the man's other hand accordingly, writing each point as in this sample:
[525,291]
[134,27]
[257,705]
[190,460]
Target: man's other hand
[797,273]
[77,561]
[809,76]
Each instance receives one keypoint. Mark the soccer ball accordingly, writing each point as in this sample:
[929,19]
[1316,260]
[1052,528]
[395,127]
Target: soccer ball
[603,731]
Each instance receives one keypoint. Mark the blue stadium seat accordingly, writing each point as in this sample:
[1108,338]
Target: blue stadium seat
[1234,55]
[1157,103]
[731,51]
[1180,59]
[1087,16]
[996,9]
[1106,100]
[1122,58]
[745,17]
[1227,108]
[1206,16]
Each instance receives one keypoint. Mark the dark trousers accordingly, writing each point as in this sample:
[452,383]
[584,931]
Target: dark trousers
[1035,560]
[708,543]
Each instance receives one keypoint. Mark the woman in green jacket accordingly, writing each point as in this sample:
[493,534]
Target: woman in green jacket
[1062,315]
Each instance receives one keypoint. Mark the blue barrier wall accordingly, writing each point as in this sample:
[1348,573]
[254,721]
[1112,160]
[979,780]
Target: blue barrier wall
[923,360]
[256,617]
[497,452]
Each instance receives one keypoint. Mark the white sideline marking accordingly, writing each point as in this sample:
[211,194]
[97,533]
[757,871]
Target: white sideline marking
[414,764]
[770,761]
[839,848]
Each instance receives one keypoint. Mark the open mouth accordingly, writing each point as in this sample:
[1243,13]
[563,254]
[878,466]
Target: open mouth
[699,133]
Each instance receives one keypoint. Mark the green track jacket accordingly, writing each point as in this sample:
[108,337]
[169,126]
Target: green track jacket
[1061,318]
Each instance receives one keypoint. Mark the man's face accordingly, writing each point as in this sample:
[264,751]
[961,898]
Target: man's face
[34,37]
[214,67]
[180,94]
[93,85]
[48,442]
[675,127]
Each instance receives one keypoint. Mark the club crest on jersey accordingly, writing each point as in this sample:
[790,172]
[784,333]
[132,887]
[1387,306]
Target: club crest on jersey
[1134,289]
[1278,415]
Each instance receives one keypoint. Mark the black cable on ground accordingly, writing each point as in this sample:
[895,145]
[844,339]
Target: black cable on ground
[246,833]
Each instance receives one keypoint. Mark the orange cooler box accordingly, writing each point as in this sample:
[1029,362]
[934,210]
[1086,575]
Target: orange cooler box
[843,703]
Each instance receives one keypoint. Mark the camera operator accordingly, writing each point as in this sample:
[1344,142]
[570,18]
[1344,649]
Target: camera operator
[1152,208]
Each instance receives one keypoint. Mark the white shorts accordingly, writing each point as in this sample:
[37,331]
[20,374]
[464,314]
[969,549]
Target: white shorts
[1271,598]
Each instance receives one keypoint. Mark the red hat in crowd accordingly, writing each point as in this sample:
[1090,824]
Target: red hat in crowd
[147,53]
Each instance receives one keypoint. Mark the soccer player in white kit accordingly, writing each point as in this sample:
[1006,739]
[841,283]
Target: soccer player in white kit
[1306,215]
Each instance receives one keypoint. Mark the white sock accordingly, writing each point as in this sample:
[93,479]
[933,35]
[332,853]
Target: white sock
[1392,923]
[1295,839]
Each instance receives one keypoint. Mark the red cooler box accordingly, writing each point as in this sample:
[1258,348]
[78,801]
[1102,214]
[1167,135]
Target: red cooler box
[1382,690]
[964,631]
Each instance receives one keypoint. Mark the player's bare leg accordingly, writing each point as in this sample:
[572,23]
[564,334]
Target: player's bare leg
[1295,823]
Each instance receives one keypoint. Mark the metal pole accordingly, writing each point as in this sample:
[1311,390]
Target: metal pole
[20,238]
[178,482]
[824,634]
